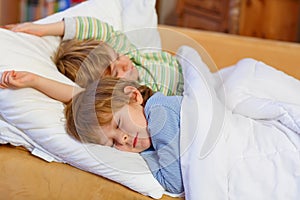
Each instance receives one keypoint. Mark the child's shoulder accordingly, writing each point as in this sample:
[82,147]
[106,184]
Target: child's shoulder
[158,99]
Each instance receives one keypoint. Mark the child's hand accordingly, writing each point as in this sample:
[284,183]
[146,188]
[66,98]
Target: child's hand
[27,27]
[17,79]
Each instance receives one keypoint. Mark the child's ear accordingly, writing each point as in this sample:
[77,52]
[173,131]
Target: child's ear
[134,94]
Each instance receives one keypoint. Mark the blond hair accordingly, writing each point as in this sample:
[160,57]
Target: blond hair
[84,61]
[94,107]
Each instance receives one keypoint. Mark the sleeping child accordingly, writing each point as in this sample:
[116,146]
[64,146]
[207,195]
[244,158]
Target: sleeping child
[122,114]
[157,69]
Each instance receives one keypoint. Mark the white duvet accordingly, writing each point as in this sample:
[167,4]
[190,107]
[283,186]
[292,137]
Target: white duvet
[240,139]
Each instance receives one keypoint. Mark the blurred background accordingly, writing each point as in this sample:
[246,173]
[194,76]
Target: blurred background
[269,19]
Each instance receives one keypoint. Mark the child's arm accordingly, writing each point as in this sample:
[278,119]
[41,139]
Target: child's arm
[54,89]
[92,28]
[80,28]
[55,29]
[71,28]
[87,28]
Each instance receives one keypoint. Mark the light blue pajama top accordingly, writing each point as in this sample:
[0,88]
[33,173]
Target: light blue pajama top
[163,158]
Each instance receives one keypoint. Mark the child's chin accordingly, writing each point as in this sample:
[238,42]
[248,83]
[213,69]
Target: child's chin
[145,145]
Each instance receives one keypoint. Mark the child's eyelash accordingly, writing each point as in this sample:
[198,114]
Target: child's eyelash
[113,144]
[118,124]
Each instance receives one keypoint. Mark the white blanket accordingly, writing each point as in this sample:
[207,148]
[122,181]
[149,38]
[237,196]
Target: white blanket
[240,139]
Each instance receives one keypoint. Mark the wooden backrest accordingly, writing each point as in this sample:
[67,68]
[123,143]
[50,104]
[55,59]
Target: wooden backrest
[224,49]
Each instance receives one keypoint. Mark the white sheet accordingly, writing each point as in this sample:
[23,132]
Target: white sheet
[255,153]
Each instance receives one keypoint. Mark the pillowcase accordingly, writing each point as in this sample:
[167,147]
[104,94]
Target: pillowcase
[108,11]
[41,118]
[140,23]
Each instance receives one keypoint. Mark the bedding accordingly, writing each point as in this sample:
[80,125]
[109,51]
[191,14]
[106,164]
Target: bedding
[251,150]
[33,120]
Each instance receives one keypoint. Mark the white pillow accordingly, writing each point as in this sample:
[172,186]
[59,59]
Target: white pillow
[108,11]
[140,23]
[41,118]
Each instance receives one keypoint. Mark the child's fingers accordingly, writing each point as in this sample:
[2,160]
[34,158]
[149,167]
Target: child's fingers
[13,74]
[3,76]
[16,27]
[2,85]
[5,79]
[8,79]
[9,26]
[22,27]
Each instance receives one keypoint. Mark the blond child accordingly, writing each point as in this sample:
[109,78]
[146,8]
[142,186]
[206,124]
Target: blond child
[122,114]
[119,113]
[159,70]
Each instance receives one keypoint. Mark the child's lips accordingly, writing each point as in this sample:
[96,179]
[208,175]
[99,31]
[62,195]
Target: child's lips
[135,140]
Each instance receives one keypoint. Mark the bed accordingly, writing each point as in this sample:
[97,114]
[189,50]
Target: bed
[28,171]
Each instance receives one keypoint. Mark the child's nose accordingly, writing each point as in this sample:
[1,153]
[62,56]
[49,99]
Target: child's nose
[126,67]
[123,139]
